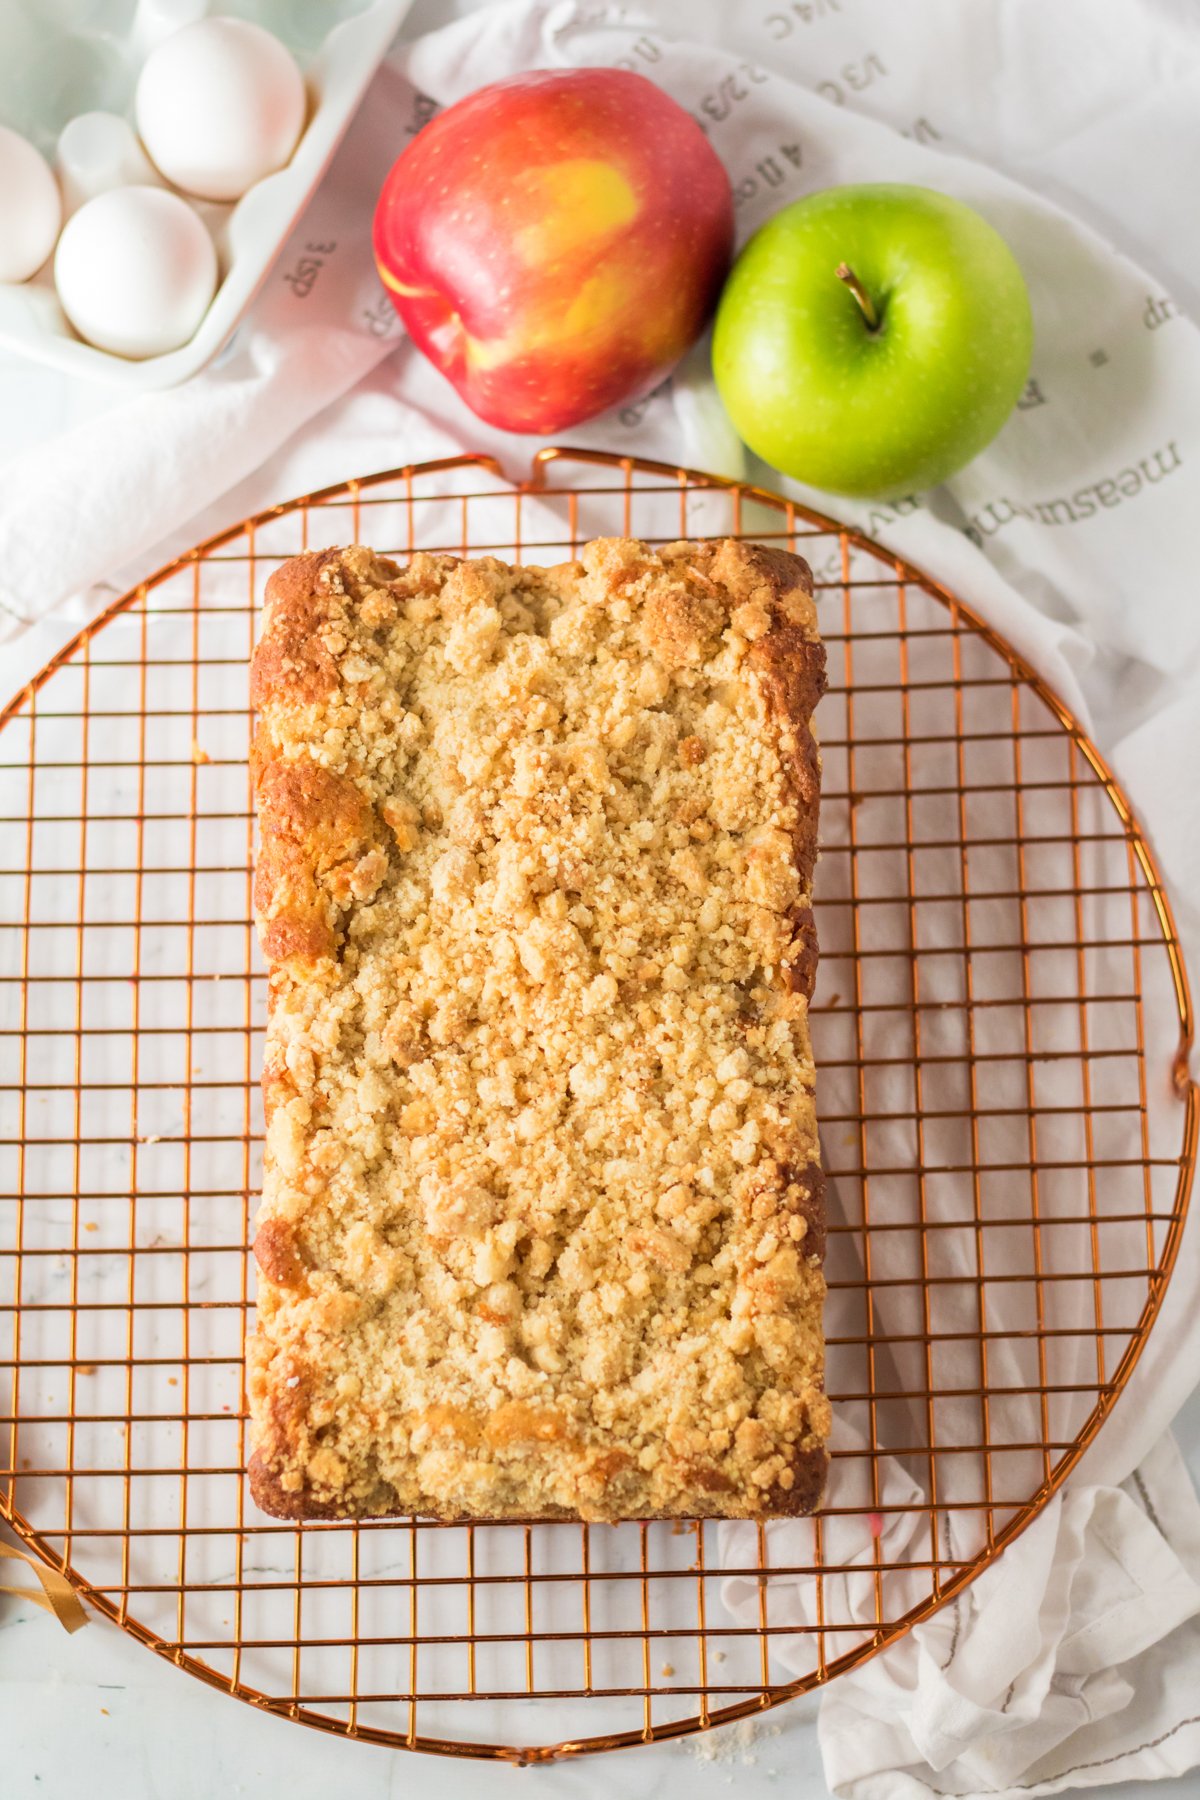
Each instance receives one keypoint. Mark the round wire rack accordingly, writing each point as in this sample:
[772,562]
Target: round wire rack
[1001,1026]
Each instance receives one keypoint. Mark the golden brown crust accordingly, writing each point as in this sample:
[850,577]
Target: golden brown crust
[291,656]
[542,1222]
[266,1486]
[318,830]
[278,1254]
[791,668]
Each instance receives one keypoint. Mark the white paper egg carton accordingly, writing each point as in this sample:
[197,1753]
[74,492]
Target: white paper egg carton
[60,58]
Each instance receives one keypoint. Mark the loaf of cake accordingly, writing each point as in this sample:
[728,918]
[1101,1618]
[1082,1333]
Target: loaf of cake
[542,1226]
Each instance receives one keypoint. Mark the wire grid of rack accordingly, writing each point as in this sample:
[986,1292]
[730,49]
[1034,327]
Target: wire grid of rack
[1002,1029]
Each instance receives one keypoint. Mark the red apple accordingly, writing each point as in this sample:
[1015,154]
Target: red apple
[555,242]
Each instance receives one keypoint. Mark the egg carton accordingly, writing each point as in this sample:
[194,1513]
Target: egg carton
[62,58]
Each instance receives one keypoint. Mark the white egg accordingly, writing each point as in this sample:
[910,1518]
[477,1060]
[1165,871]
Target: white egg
[30,208]
[135,271]
[219,105]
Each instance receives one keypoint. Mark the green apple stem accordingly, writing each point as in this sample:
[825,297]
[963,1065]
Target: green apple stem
[865,303]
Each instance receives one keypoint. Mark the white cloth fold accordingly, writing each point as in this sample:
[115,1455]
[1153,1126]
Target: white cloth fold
[1071,1662]
[1023,1685]
[1076,1658]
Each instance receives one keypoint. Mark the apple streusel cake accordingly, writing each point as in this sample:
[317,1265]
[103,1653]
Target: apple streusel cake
[542,1223]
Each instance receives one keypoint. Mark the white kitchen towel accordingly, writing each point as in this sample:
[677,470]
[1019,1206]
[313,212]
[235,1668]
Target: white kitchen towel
[1071,534]
[1071,1662]
[1079,1672]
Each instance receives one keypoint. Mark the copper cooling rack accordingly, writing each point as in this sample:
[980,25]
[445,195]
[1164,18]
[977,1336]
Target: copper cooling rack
[1001,1024]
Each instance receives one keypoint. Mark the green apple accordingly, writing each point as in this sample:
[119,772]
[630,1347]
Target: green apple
[872,339]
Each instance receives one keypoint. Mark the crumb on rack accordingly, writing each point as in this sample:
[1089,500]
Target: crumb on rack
[735,1743]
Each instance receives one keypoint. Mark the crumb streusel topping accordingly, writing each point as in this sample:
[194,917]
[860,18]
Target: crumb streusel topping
[541,1227]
